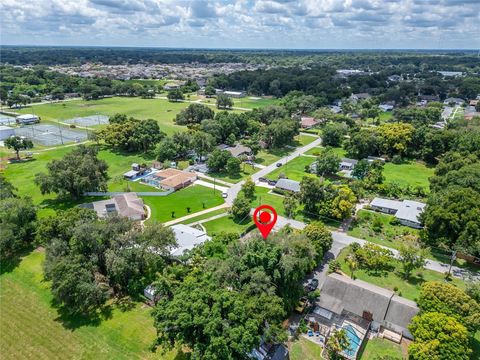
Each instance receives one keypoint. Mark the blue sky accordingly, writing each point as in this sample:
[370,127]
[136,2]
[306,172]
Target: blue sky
[307,24]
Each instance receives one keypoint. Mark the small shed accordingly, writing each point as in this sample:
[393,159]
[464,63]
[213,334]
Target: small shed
[150,293]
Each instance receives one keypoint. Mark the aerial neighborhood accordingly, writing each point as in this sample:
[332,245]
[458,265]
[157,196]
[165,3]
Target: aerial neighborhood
[131,179]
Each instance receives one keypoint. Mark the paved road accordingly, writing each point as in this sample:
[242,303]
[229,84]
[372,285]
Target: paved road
[235,189]
[341,240]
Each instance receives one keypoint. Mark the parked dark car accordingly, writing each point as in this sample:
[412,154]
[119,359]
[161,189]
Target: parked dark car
[271,182]
[312,286]
[262,179]
[279,164]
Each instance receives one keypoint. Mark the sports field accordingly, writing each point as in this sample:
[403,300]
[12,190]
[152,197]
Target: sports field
[31,328]
[161,110]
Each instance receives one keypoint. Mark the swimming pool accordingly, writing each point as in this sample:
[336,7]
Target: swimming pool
[353,339]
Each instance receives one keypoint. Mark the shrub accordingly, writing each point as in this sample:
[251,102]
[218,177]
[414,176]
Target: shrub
[396,159]
[377,225]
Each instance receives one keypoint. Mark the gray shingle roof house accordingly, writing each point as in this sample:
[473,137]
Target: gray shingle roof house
[406,211]
[347,164]
[381,306]
[125,205]
[288,185]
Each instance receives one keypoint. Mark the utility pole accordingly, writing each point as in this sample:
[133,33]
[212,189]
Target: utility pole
[452,259]
[214,185]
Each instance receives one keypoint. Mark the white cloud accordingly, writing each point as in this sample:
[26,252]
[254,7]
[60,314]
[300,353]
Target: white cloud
[244,23]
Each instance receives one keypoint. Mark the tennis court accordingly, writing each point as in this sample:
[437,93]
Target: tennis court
[91,120]
[7,120]
[51,135]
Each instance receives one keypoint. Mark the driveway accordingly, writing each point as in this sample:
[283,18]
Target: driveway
[235,189]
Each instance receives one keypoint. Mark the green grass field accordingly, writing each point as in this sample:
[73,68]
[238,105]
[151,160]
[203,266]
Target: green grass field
[205,216]
[411,174]
[316,151]
[193,196]
[159,109]
[294,169]
[269,156]
[245,171]
[303,349]
[409,289]
[31,328]
[227,224]
[377,348]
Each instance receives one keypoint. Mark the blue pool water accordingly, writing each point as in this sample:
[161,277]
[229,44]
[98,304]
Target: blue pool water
[353,339]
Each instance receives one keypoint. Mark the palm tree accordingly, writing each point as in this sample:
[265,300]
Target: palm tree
[352,263]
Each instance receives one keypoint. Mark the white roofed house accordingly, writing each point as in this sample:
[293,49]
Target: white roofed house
[235,94]
[347,164]
[187,238]
[406,211]
[27,119]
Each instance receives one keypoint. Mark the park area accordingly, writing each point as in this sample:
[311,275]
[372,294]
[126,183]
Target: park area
[161,110]
[410,173]
[42,331]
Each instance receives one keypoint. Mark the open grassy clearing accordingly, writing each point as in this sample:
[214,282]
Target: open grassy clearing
[31,328]
[196,197]
[316,151]
[303,349]
[205,216]
[161,110]
[294,169]
[302,140]
[269,156]
[409,289]
[227,224]
[245,171]
[410,173]
[377,347]
[246,102]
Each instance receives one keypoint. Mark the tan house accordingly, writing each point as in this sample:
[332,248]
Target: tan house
[307,122]
[174,179]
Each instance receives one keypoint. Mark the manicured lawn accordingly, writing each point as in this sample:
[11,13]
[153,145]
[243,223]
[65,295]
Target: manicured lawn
[410,173]
[31,328]
[246,171]
[269,156]
[303,349]
[303,140]
[205,216]
[227,224]
[294,169]
[194,196]
[377,347]
[126,185]
[385,115]
[159,109]
[23,174]
[252,102]
[409,289]
[316,151]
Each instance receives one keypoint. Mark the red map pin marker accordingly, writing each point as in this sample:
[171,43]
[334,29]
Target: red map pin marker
[265,218]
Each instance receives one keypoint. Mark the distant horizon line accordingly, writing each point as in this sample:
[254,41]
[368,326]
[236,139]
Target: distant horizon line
[237,48]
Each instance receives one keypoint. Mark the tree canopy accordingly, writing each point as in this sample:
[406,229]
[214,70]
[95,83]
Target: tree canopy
[79,171]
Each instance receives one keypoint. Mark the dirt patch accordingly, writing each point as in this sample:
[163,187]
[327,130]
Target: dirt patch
[40,249]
